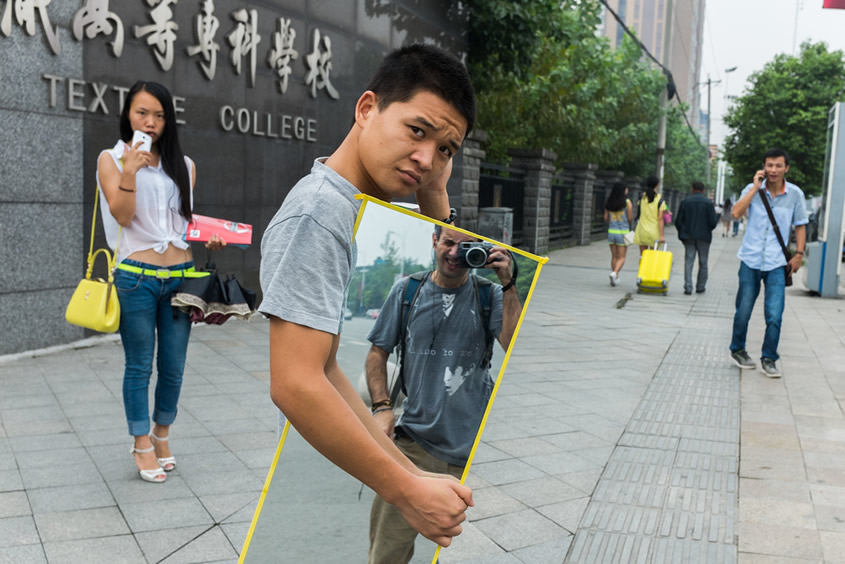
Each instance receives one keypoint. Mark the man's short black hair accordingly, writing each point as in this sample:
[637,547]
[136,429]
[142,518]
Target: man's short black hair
[697,186]
[652,182]
[407,70]
[776,153]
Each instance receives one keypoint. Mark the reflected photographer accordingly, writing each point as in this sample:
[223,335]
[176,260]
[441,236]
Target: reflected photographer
[443,323]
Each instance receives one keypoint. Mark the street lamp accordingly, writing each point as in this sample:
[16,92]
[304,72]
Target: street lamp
[727,72]
[401,253]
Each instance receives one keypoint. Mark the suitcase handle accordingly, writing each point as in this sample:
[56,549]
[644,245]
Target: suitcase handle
[665,245]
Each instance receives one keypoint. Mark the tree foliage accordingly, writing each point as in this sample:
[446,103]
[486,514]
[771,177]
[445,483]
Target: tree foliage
[785,105]
[544,78]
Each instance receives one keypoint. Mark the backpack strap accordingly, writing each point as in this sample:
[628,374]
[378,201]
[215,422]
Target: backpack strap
[412,289]
[484,299]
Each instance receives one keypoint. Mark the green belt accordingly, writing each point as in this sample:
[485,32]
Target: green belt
[163,273]
[617,231]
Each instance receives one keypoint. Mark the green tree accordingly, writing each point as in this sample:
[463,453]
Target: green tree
[785,105]
[686,158]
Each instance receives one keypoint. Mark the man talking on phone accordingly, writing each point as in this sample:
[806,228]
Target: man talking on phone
[762,256]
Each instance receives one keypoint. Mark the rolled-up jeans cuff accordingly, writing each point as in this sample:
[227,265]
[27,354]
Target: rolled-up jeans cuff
[164,418]
[139,428]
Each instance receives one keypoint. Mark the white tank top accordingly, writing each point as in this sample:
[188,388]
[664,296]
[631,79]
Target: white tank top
[158,221]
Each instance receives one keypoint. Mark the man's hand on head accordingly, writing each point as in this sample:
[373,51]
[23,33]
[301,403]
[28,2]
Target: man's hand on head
[433,198]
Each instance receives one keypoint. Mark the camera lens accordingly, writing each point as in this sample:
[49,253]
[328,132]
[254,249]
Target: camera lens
[476,257]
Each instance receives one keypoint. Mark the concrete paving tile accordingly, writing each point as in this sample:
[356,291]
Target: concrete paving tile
[778,416]
[84,472]
[99,422]
[20,401]
[814,445]
[44,442]
[14,504]
[472,545]
[60,457]
[798,491]
[597,455]
[776,511]
[183,444]
[475,481]
[833,545]
[155,515]
[10,480]
[779,541]
[560,463]
[567,514]
[830,518]
[236,533]
[114,550]
[576,440]
[116,435]
[546,553]
[770,468]
[158,545]
[222,506]
[36,428]
[81,524]
[769,435]
[16,531]
[519,530]
[585,481]
[70,498]
[749,558]
[26,554]
[826,476]
[211,546]
[32,414]
[215,483]
[490,502]
[135,490]
[827,494]
[257,458]
[541,491]
[506,471]
[522,447]
[111,407]
[247,441]
[815,459]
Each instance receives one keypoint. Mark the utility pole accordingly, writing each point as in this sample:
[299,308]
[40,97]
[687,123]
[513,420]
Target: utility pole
[709,82]
[664,96]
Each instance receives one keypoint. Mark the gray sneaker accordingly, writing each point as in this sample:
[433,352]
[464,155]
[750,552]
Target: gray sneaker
[769,368]
[741,359]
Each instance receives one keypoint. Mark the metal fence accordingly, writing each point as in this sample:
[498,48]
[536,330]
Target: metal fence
[502,186]
[561,210]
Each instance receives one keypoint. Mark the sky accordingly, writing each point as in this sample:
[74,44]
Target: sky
[410,235]
[749,33]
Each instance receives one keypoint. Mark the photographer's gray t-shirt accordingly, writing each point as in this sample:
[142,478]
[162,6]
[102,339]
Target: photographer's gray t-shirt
[447,389]
[307,253]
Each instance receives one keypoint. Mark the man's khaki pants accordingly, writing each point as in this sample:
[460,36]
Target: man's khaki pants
[391,537]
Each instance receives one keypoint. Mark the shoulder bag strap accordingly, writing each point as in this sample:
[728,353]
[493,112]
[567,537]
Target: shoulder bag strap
[762,193]
[112,259]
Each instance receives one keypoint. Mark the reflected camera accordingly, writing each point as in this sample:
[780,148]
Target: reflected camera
[473,254]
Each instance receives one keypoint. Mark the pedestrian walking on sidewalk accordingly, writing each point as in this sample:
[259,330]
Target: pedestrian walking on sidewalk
[650,217]
[147,200]
[695,222]
[619,215]
[727,218]
[761,255]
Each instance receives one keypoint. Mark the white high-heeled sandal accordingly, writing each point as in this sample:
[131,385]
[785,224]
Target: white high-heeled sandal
[168,463]
[156,475]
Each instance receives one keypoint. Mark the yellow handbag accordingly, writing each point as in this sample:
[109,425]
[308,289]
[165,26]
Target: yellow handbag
[94,304]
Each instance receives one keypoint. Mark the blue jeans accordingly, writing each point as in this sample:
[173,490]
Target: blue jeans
[749,289]
[145,311]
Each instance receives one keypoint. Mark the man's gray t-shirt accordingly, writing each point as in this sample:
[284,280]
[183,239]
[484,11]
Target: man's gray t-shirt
[307,253]
[448,391]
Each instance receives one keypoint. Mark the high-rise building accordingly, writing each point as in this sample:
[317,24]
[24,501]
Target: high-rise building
[647,18]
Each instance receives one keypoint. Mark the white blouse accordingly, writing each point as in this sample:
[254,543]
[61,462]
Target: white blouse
[157,222]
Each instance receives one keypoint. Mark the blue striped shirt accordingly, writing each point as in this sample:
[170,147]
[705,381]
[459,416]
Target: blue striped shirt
[760,249]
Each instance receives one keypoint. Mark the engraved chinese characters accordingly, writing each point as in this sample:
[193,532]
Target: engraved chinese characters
[160,32]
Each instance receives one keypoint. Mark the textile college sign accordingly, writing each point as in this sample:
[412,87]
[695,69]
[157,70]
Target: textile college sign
[95,18]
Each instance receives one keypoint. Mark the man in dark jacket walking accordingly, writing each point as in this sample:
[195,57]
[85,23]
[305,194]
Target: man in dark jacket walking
[695,222]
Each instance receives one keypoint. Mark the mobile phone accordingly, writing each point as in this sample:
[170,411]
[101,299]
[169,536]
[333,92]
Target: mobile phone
[146,141]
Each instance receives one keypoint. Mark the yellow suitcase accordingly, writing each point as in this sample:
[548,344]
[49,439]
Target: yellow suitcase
[655,271]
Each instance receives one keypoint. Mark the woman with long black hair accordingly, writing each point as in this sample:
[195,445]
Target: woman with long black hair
[148,197]
[618,214]
[650,217]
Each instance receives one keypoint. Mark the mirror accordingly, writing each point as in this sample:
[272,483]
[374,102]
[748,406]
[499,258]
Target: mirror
[311,511]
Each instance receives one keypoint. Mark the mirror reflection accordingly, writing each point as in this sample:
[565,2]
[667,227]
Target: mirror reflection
[423,337]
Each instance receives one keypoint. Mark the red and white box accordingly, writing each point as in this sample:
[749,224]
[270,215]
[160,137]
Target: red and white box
[202,228]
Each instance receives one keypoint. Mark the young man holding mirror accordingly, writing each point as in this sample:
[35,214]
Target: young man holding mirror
[409,123]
